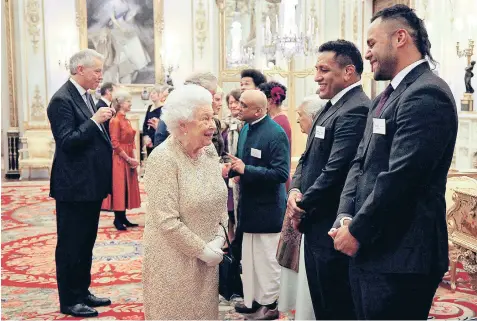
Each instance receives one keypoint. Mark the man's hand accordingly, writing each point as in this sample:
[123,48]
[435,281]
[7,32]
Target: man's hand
[294,211]
[225,169]
[103,114]
[153,122]
[237,164]
[147,141]
[344,241]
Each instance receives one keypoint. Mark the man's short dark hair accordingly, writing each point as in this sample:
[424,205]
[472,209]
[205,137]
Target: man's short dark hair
[416,27]
[346,53]
[105,87]
[257,76]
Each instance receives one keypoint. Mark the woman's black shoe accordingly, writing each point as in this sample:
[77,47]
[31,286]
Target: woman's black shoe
[129,224]
[119,226]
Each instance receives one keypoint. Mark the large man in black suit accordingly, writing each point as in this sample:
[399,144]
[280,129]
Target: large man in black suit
[394,192]
[80,180]
[321,173]
[105,100]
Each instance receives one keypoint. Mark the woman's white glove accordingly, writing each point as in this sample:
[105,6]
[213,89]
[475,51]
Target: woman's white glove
[211,257]
[217,243]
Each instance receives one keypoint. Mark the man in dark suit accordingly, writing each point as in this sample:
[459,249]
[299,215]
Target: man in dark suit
[321,173]
[80,180]
[105,100]
[394,194]
[262,164]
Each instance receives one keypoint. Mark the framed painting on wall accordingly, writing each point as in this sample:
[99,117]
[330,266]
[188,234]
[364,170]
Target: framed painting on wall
[128,33]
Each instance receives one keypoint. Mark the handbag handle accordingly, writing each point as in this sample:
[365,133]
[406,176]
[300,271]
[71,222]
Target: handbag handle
[228,241]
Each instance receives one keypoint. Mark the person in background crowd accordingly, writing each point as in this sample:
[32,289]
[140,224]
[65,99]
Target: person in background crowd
[392,214]
[218,140]
[187,202]
[80,180]
[251,79]
[263,166]
[321,173]
[105,101]
[231,135]
[158,97]
[203,79]
[125,194]
[276,93]
[294,290]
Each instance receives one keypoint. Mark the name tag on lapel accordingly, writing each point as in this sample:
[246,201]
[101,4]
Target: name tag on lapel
[257,153]
[379,126]
[233,126]
[320,132]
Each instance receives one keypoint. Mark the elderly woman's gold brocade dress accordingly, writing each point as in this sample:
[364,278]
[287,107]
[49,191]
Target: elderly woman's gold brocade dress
[187,200]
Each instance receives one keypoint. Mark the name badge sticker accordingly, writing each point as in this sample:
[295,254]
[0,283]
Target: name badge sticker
[257,153]
[320,132]
[379,126]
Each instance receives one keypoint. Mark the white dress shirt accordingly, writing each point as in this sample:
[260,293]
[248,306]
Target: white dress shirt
[82,93]
[403,73]
[338,96]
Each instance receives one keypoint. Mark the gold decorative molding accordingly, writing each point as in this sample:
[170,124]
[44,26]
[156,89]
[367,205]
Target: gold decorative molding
[158,7]
[343,19]
[8,16]
[201,26]
[37,108]
[32,17]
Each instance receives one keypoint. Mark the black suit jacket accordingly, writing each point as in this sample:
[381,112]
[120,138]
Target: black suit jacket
[99,104]
[395,188]
[83,157]
[322,169]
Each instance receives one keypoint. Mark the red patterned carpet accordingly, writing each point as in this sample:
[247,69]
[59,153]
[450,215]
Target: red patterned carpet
[28,270]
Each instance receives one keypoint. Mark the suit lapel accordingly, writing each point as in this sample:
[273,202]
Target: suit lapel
[81,104]
[78,100]
[405,83]
[322,117]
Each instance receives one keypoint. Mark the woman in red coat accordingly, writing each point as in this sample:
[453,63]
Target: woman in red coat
[125,193]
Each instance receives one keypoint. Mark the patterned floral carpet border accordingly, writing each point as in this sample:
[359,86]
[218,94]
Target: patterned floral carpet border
[28,270]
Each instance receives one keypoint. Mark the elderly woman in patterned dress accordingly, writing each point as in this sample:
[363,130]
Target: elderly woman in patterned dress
[187,202]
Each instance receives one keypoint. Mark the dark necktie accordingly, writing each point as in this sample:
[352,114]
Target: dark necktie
[327,107]
[384,97]
[88,102]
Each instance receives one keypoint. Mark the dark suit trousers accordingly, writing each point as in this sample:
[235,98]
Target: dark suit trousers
[392,296]
[328,279]
[77,227]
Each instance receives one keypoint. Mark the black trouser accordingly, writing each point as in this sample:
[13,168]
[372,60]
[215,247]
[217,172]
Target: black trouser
[392,296]
[328,278]
[77,227]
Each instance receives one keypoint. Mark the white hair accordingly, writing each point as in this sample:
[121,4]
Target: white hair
[182,103]
[203,79]
[85,57]
[120,95]
[160,88]
[312,105]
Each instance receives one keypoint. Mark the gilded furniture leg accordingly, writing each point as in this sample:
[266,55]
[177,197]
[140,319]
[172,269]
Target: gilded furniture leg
[453,258]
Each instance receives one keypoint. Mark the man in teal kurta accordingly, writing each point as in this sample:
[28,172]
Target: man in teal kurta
[262,163]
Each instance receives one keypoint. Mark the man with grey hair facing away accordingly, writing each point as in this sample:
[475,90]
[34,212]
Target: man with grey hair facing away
[203,79]
[80,180]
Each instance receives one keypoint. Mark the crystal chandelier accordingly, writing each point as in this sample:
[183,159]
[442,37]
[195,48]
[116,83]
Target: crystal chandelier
[292,39]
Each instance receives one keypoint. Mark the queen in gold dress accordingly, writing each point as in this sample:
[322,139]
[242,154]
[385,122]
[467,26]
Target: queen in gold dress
[187,201]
